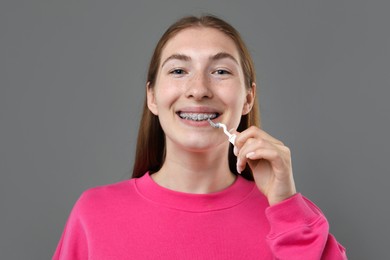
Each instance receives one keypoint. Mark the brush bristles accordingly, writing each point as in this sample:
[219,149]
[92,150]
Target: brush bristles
[215,125]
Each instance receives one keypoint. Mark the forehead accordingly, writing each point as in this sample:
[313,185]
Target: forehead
[195,41]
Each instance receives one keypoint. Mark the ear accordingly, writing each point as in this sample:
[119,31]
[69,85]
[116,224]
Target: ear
[250,99]
[151,99]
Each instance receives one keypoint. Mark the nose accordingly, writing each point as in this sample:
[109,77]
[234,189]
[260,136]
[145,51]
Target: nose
[198,87]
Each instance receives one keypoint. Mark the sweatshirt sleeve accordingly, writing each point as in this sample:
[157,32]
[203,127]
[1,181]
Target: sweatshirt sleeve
[299,230]
[73,243]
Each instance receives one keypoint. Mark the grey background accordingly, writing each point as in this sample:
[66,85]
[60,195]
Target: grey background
[72,76]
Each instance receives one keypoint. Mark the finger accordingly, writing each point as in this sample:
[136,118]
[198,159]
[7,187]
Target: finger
[263,154]
[257,149]
[254,132]
[279,160]
[241,164]
[250,146]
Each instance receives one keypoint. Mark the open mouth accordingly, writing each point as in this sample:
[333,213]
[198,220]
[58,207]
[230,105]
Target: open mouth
[197,116]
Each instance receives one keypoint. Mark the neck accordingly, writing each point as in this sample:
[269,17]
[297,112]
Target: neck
[195,172]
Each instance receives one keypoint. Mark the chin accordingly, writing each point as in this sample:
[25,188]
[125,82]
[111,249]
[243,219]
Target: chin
[203,146]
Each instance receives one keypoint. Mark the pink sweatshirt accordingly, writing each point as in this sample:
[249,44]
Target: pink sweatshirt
[138,219]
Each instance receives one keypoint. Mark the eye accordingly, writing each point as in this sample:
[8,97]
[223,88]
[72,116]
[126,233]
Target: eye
[222,72]
[177,71]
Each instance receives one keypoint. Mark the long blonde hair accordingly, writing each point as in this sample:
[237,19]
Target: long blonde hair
[150,151]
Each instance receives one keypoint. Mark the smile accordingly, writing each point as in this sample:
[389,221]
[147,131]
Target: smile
[197,116]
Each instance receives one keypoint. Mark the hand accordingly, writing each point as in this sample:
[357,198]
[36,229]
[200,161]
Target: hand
[270,162]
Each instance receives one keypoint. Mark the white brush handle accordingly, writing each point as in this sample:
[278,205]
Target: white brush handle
[232,138]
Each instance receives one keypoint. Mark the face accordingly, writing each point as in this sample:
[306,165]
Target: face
[200,77]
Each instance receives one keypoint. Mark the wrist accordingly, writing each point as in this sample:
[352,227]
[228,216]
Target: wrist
[273,200]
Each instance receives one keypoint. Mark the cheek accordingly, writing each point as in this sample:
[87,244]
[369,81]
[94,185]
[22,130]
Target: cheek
[233,99]
[166,94]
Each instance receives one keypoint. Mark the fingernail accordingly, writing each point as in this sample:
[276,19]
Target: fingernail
[249,155]
[235,150]
[238,166]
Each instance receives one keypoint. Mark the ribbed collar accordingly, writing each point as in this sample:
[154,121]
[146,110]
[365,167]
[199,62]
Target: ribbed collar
[229,197]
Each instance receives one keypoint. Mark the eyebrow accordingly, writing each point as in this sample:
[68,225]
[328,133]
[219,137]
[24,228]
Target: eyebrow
[183,57]
[176,56]
[223,55]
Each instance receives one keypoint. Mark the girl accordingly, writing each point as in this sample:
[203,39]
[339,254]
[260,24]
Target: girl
[194,195]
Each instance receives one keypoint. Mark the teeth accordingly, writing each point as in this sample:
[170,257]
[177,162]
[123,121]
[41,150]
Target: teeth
[197,116]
